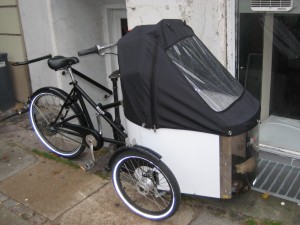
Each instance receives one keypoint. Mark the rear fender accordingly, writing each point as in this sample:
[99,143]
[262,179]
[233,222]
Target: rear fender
[44,89]
[137,148]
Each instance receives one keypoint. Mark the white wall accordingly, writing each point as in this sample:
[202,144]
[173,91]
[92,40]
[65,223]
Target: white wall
[207,18]
[63,27]
[35,17]
[78,25]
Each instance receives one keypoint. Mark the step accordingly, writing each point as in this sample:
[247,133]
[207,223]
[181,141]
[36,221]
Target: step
[279,176]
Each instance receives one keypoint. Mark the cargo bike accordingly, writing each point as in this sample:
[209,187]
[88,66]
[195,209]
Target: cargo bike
[190,126]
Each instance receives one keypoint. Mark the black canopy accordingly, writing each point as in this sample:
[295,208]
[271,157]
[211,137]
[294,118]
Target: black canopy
[171,80]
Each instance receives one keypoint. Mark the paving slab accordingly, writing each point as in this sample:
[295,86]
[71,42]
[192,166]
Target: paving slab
[26,139]
[16,123]
[3,197]
[105,207]
[253,205]
[13,158]
[51,188]
[17,139]
[7,217]
[208,218]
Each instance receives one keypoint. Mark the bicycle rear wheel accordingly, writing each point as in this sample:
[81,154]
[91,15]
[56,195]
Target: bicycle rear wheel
[45,106]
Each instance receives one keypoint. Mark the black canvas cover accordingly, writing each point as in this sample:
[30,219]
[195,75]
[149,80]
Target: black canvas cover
[171,80]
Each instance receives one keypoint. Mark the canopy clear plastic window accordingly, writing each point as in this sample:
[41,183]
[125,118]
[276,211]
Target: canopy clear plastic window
[205,73]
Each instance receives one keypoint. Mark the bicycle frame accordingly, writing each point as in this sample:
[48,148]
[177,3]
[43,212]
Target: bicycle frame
[78,94]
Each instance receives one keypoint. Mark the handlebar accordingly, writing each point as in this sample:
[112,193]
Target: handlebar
[32,60]
[95,50]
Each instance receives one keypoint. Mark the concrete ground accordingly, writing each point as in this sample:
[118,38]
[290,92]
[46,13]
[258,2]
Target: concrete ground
[36,190]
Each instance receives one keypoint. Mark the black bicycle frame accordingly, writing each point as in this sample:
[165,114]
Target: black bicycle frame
[76,72]
[77,94]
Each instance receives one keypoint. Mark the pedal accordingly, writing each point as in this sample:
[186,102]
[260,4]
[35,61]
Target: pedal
[88,165]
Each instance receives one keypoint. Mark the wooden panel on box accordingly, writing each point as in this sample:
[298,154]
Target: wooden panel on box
[225,167]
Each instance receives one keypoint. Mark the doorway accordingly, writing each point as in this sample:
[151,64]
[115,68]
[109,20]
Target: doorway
[117,27]
[269,68]
[285,83]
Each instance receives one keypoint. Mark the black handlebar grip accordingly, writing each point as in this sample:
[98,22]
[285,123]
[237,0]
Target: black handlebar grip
[88,51]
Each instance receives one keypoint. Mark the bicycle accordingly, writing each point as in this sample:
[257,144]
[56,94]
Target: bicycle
[181,105]
[62,122]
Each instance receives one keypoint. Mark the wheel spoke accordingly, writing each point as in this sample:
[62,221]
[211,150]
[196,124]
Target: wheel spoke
[41,113]
[145,187]
[62,134]
[44,109]
[153,200]
[162,198]
[130,176]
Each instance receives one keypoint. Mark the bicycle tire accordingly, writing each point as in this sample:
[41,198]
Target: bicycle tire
[45,105]
[146,185]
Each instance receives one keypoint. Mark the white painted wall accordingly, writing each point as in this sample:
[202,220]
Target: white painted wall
[36,22]
[63,27]
[78,25]
[207,18]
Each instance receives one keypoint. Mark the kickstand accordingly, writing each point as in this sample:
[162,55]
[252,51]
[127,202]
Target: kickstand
[89,164]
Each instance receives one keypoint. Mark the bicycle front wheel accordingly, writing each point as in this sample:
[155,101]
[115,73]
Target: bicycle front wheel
[146,185]
[45,107]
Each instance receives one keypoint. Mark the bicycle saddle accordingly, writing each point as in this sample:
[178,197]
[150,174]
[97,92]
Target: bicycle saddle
[60,62]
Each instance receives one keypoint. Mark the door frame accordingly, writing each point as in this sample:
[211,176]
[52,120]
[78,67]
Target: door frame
[267,66]
[108,33]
